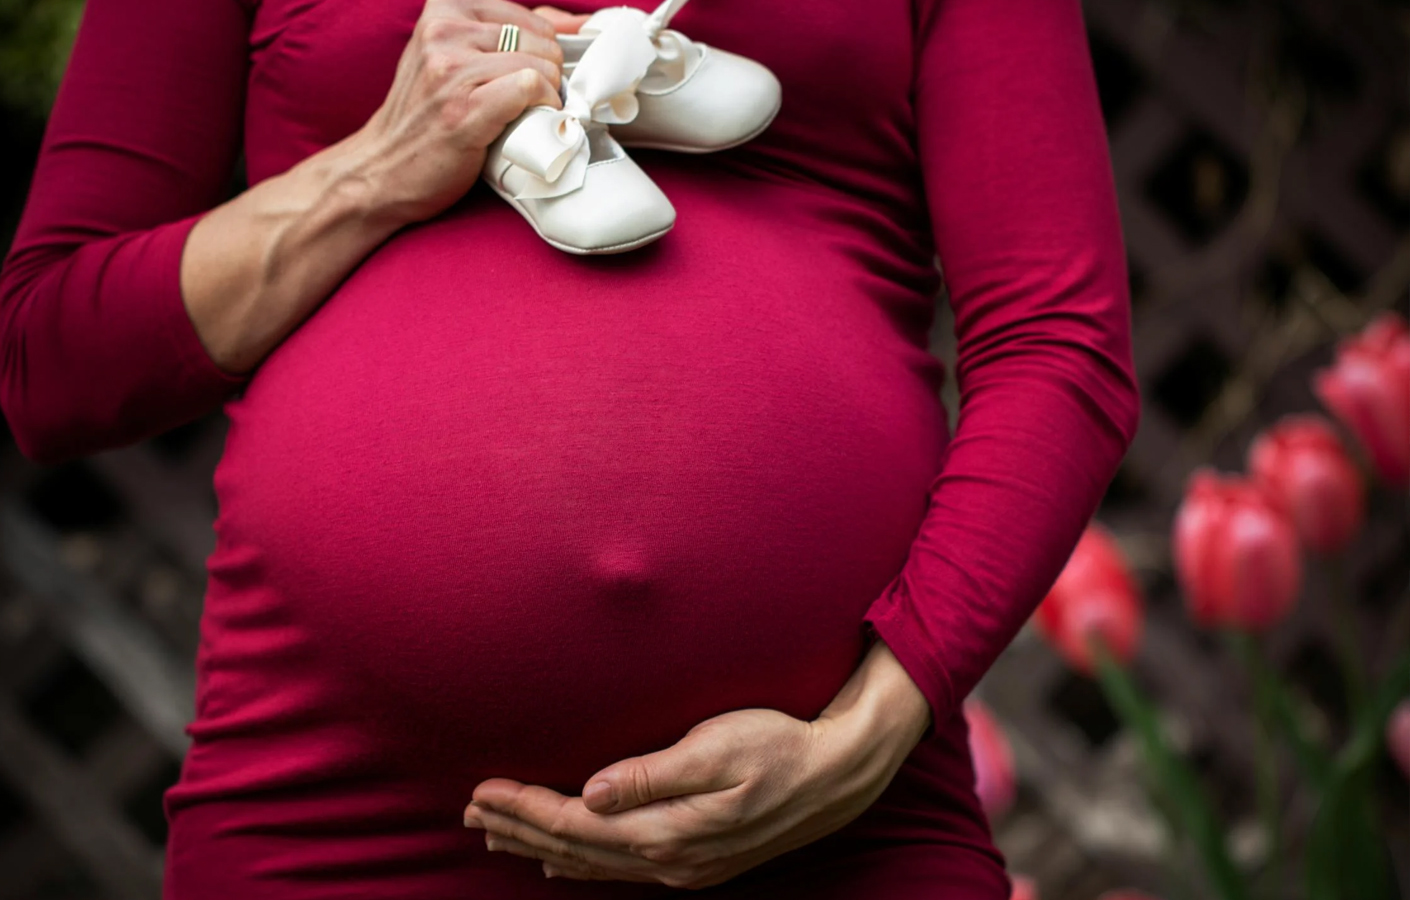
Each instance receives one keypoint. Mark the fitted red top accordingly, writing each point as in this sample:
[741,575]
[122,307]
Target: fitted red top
[495,510]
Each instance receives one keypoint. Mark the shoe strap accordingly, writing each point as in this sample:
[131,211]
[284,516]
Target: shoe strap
[677,56]
[662,15]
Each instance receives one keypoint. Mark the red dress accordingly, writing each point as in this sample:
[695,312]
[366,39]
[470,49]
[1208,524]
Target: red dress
[495,510]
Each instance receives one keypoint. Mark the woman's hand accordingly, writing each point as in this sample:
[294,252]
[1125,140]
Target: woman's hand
[737,790]
[452,95]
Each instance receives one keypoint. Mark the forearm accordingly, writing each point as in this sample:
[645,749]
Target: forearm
[258,265]
[1028,232]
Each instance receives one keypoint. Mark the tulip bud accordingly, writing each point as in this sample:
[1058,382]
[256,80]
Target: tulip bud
[1398,736]
[1024,888]
[994,779]
[1236,554]
[1368,388]
[1304,469]
[1095,596]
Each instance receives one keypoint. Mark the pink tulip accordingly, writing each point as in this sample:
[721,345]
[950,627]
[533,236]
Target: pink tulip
[1368,388]
[1303,467]
[1398,736]
[1024,888]
[1095,596]
[994,779]
[1236,554]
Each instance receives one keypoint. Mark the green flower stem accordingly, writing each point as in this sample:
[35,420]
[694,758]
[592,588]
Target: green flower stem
[1368,732]
[1176,784]
[1314,761]
[1344,611]
[1346,854]
[1265,757]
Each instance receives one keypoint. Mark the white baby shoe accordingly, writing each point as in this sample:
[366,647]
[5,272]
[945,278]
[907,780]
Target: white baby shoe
[694,98]
[563,171]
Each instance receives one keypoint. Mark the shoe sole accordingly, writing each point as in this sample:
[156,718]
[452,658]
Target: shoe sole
[679,148]
[569,248]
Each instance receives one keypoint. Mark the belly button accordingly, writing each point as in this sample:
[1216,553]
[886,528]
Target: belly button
[622,575]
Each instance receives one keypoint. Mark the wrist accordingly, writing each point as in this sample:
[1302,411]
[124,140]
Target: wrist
[880,705]
[357,176]
[895,704]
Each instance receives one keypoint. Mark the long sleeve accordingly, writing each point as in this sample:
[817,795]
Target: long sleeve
[1020,191]
[96,347]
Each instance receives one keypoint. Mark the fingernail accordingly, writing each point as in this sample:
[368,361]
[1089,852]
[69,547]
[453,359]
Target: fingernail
[550,872]
[600,793]
[472,818]
[491,842]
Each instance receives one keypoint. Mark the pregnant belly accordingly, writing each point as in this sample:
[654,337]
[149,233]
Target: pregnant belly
[532,514]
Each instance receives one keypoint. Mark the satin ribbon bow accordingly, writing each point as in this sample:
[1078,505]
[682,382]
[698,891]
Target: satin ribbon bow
[676,54]
[551,145]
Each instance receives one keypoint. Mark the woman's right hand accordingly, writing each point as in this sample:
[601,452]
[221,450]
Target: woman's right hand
[452,95]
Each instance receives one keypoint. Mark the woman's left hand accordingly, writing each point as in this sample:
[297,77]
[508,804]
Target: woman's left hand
[737,790]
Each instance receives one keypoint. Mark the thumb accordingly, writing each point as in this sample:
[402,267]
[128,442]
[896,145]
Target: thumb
[693,766]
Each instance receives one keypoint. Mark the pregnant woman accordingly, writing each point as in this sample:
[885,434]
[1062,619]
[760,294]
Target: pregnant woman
[499,524]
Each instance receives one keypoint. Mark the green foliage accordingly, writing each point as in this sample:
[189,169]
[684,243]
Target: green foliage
[1346,856]
[35,39]
[1176,787]
[1287,716]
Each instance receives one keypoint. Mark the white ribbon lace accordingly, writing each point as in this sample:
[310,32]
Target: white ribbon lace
[551,145]
[676,54]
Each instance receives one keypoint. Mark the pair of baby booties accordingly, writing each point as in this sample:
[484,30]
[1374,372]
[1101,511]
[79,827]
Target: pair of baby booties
[628,81]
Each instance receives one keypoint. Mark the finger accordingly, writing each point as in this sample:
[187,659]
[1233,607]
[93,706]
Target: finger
[663,834]
[513,13]
[563,871]
[567,869]
[640,840]
[560,866]
[563,21]
[503,99]
[700,763]
[482,68]
[499,11]
[499,826]
[554,814]
[499,843]
[484,36]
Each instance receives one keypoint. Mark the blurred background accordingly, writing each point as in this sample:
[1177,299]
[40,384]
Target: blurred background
[1262,156]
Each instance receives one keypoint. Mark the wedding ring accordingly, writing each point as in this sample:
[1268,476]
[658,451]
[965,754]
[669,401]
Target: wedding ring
[508,38]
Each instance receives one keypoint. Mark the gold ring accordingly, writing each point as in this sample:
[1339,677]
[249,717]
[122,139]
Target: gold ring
[508,38]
